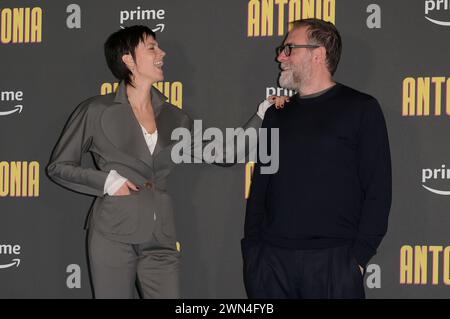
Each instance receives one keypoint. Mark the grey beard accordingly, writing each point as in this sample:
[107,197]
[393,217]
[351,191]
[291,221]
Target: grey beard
[303,78]
[286,80]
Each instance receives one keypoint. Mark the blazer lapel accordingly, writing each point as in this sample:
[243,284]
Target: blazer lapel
[164,127]
[123,130]
[164,133]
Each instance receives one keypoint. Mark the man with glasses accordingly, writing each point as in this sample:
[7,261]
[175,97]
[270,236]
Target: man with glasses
[312,227]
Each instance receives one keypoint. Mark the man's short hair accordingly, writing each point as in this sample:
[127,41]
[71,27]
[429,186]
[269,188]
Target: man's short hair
[325,34]
[124,42]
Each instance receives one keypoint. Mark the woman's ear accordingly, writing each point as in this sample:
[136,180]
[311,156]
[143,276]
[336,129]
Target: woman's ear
[129,62]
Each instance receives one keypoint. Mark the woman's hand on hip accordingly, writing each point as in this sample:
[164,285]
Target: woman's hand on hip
[125,189]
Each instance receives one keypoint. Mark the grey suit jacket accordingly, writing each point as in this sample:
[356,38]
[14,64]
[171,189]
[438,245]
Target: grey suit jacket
[107,127]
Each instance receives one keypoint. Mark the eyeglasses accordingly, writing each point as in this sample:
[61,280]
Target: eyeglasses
[287,48]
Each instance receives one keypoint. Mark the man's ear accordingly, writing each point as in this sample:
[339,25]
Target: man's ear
[128,60]
[320,55]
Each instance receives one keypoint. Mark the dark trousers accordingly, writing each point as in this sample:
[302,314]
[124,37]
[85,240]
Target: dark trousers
[273,272]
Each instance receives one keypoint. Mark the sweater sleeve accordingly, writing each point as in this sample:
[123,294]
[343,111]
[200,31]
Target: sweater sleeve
[374,171]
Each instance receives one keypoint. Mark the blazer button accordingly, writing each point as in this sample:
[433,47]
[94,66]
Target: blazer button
[149,185]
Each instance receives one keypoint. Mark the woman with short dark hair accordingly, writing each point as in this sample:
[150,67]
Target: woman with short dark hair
[131,228]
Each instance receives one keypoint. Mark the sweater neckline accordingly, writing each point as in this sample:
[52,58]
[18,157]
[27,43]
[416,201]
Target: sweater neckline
[322,97]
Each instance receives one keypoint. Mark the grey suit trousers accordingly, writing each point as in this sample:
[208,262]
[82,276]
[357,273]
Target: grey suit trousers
[117,268]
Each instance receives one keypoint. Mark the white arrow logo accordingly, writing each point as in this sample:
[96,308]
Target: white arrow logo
[159,27]
[446,24]
[436,191]
[17,108]
[16,261]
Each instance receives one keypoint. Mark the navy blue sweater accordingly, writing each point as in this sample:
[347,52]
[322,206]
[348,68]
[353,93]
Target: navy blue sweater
[333,186]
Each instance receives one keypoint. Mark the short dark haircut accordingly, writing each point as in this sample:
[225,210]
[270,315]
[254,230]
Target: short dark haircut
[325,34]
[124,42]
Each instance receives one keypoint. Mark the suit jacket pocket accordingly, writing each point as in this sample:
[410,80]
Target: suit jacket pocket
[119,214]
